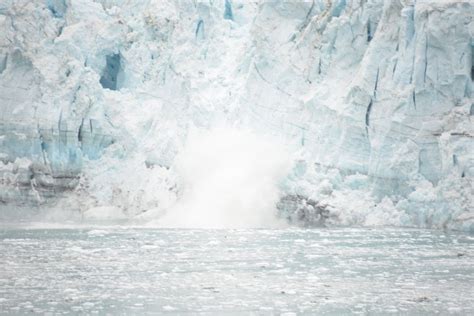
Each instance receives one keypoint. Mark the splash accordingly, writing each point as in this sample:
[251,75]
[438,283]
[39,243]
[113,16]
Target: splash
[230,179]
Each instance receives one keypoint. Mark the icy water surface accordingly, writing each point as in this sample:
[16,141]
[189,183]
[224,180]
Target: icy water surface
[327,271]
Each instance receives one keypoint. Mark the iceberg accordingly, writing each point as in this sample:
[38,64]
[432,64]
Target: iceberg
[374,100]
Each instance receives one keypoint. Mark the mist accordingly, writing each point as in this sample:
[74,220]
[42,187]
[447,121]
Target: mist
[230,179]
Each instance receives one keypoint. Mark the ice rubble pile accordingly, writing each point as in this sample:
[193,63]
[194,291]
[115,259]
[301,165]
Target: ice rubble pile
[374,97]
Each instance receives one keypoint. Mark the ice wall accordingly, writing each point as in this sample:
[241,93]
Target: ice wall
[374,98]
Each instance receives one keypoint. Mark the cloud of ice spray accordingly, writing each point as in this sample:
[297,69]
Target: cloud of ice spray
[230,179]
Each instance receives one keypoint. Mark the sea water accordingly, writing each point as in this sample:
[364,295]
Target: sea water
[117,270]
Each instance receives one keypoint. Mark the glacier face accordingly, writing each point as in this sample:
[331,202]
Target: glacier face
[374,99]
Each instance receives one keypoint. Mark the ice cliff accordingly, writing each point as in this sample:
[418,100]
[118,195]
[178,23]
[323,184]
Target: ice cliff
[375,100]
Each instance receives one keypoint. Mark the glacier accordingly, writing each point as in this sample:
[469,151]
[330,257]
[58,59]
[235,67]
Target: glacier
[373,99]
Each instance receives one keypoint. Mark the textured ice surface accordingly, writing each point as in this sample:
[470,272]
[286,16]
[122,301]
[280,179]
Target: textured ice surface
[374,98]
[328,271]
